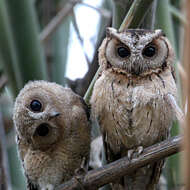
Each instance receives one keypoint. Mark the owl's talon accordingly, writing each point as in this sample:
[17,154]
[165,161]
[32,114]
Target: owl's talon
[79,182]
[140,150]
[83,167]
[130,154]
[137,151]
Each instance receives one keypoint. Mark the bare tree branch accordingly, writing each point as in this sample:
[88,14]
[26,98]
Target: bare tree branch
[80,86]
[55,22]
[79,37]
[106,174]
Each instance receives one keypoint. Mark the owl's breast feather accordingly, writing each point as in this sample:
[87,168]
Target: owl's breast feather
[134,113]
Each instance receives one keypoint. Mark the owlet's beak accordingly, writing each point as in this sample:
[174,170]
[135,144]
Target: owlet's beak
[53,114]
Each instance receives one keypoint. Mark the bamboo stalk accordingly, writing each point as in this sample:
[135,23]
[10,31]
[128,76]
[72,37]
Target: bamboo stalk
[60,50]
[165,22]
[187,68]
[24,29]
[177,15]
[9,58]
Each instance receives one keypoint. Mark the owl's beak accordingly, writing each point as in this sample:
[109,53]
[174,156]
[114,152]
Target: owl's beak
[135,69]
[53,114]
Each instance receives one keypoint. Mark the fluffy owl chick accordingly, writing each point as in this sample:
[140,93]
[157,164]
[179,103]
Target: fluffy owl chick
[128,98]
[53,133]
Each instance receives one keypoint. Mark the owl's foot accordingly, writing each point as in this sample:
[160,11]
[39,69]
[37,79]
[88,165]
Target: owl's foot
[136,151]
[83,169]
[48,187]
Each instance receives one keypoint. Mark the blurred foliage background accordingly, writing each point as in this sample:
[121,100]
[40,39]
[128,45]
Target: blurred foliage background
[44,40]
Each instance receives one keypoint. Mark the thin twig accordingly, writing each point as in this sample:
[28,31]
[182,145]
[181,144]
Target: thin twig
[106,174]
[79,37]
[90,88]
[57,20]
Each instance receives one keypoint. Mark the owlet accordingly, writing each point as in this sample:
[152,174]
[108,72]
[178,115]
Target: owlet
[53,133]
[128,98]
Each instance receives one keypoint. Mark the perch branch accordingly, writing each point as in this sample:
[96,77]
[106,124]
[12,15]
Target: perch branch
[56,21]
[104,175]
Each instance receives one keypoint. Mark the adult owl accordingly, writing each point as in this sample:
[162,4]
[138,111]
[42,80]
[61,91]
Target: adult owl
[128,98]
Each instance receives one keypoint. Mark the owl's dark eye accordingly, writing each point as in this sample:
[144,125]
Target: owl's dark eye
[123,52]
[42,130]
[36,105]
[149,51]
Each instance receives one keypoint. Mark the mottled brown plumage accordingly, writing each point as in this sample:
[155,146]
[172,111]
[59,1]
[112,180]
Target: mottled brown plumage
[128,98]
[53,133]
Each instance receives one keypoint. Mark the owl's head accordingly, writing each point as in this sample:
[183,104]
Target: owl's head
[135,52]
[43,113]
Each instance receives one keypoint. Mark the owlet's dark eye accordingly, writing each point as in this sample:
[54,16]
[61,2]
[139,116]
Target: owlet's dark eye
[35,105]
[149,51]
[123,52]
[42,130]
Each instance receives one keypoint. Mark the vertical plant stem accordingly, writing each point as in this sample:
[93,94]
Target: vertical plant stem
[120,9]
[24,28]
[149,19]
[60,49]
[164,21]
[187,67]
[8,53]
